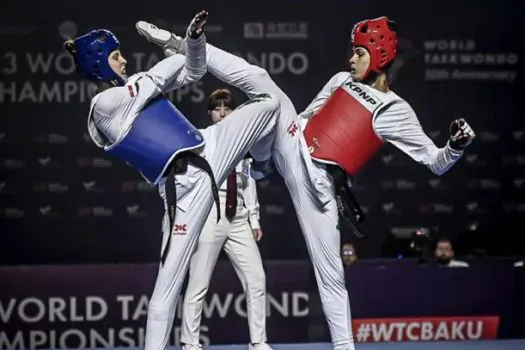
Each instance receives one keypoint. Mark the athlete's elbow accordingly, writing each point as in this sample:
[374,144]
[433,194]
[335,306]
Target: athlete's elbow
[438,170]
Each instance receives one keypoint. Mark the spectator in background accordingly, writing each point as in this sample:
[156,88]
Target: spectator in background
[349,254]
[444,254]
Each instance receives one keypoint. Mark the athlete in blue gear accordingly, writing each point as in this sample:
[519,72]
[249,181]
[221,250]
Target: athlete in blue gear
[132,120]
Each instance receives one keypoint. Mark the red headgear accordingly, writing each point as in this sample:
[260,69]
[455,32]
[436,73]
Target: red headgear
[380,41]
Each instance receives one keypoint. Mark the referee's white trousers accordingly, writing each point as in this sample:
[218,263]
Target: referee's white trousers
[237,239]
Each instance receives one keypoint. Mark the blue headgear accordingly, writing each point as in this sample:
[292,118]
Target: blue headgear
[91,56]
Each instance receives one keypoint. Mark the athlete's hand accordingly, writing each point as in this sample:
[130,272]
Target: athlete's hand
[461,134]
[257,234]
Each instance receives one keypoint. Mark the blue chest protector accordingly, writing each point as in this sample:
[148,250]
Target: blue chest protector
[158,134]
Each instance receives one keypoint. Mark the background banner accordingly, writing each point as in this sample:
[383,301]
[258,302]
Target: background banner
[106,305]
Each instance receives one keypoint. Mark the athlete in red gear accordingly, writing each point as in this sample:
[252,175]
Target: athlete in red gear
[345,124]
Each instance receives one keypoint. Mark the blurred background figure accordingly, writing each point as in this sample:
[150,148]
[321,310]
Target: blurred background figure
[444,254]
[349,254]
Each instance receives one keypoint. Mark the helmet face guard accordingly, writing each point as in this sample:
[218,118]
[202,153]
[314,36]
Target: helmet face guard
[91,56]
[378,39]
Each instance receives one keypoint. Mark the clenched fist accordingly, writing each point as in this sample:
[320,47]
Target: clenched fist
[461,134]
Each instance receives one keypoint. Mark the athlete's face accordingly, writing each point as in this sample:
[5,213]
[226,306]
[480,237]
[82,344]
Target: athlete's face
[359,63]
[219,113]
[117,62]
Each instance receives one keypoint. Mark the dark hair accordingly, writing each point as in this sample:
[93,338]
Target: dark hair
[221,97]
[69,46]
[445,240]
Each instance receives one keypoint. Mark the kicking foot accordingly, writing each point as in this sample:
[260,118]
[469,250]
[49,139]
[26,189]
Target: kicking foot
[152,33]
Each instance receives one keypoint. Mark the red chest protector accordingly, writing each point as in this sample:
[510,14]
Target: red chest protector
[342,131]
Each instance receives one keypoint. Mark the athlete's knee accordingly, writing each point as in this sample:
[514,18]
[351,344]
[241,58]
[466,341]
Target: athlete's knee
[330,276]
[267,101]
[158,310]
[273,102]
[273,109]
[195,297]
[256,282]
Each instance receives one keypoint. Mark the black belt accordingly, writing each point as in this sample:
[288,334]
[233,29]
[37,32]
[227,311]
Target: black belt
[347,205]
[179,166]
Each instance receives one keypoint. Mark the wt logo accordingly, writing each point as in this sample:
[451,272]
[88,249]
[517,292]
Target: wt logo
[180,229]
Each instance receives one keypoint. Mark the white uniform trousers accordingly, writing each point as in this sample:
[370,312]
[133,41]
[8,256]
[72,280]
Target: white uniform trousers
[312,192]
[246,129]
